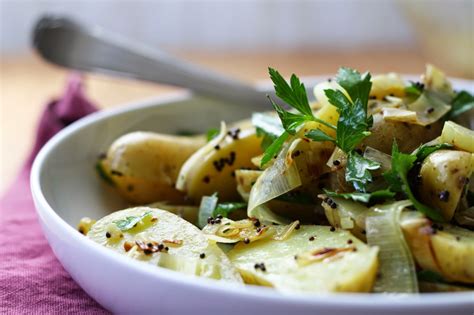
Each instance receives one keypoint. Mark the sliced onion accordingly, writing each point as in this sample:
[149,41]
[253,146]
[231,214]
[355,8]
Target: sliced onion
[383,159]
[429,108]
[397,267]
[280,178]
[206,209]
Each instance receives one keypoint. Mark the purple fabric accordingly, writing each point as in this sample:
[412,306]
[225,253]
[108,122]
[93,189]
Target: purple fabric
[32,281]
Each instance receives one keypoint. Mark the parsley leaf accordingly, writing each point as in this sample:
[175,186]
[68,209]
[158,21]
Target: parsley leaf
[212,133]
[463,102]
[226,208]
[290,121]
[364,197]
[353,124]
[294,95]
[358,170]
[268,138]
[424,150]
[210,207]
[130,221]
[357,87]
[319,135]
[274,148]
[267,127]
[398,180]
[415,88]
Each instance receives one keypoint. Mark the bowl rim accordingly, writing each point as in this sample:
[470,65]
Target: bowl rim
[340,300]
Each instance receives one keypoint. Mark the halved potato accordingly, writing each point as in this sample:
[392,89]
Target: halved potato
[144,166]
[161,238]
[408,136]
[444,175]
[211,168]
[442,248]
[311,259]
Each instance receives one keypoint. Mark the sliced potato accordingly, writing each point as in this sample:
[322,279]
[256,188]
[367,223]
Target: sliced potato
[211,169]
[144,166]
[311,259]
[175,243]
[444,175]
[442,248]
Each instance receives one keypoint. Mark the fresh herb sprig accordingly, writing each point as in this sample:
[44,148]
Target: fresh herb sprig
[353,124]
[397,177]
[462,102]
[294,94]
[130,221]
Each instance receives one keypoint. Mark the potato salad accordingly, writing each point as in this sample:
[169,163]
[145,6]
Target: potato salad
[365,187]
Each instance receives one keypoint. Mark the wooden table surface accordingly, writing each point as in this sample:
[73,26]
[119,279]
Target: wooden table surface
[27,83]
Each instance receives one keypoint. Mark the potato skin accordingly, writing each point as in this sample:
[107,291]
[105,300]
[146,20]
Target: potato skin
[444,175]
[144,166]
[214,172]
[408,136]
[442,248]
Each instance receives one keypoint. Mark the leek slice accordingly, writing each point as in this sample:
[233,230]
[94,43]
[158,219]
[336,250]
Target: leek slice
[206,208]
[397,266]
[282,177]
[459,136]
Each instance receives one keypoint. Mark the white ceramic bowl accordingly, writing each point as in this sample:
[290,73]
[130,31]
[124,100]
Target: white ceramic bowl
[66,188]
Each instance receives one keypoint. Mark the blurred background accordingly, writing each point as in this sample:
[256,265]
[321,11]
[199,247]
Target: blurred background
[240,38]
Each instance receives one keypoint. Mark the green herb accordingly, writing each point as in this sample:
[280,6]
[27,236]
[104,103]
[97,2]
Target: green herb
[226,208]
[353,124]
[268,138]
[294,94]
[319,135]
[357,86]
[274,148]
[130,221]
[414,89]
[430,276]
[99,167]
[364,197]
[462,102]
[212,133]
[210,207]
[185,132]
[358,170]
[424,150]
[268,127]
[397,177]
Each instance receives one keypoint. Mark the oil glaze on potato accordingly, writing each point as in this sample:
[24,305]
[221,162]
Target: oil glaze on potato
[144,166]
[352,268]
[189,250]
[444,175]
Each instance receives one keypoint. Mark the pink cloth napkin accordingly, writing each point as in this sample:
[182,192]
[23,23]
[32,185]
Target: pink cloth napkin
[32,281]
